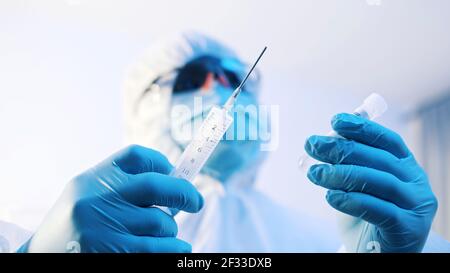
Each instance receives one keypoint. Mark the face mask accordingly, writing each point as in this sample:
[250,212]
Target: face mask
[239,149]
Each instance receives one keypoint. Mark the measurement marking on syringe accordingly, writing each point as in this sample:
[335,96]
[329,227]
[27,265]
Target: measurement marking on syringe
[209,136]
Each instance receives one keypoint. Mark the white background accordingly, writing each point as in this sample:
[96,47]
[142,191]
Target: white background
[63,65]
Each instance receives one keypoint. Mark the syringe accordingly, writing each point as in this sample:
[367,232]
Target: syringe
[206,139]
[373,106]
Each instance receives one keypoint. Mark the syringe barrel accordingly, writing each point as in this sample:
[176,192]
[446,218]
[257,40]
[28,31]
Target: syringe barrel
[372,107]
[203,144]
[201,147]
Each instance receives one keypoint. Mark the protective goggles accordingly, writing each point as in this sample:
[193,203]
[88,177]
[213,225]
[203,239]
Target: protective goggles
[194,74]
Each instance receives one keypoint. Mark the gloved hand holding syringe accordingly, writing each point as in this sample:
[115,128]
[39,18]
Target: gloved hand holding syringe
[206,139]
[372,107]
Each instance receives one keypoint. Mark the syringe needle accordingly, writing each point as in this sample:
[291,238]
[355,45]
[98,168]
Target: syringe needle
[251,70]
[238,89]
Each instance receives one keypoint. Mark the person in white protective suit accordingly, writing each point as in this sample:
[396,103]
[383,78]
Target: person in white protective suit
[11,236]
[236,216]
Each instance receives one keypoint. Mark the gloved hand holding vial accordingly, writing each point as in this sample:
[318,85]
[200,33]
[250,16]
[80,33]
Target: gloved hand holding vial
[372,178]
[372,107]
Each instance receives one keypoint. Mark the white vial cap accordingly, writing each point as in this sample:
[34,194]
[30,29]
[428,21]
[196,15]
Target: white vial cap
[373,106]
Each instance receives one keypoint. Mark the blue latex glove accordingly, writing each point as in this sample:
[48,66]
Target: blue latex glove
[374,178]
[109,208]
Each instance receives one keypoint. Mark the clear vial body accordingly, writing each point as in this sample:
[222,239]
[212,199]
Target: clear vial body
[372,107]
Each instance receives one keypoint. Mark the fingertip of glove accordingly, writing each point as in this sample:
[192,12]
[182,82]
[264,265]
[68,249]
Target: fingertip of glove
[310,142]
[312,174]
[201,202]
[187,248]
[182,246]
[335,197]
[337,119]
[344,121]
[197,203]
[317,173]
